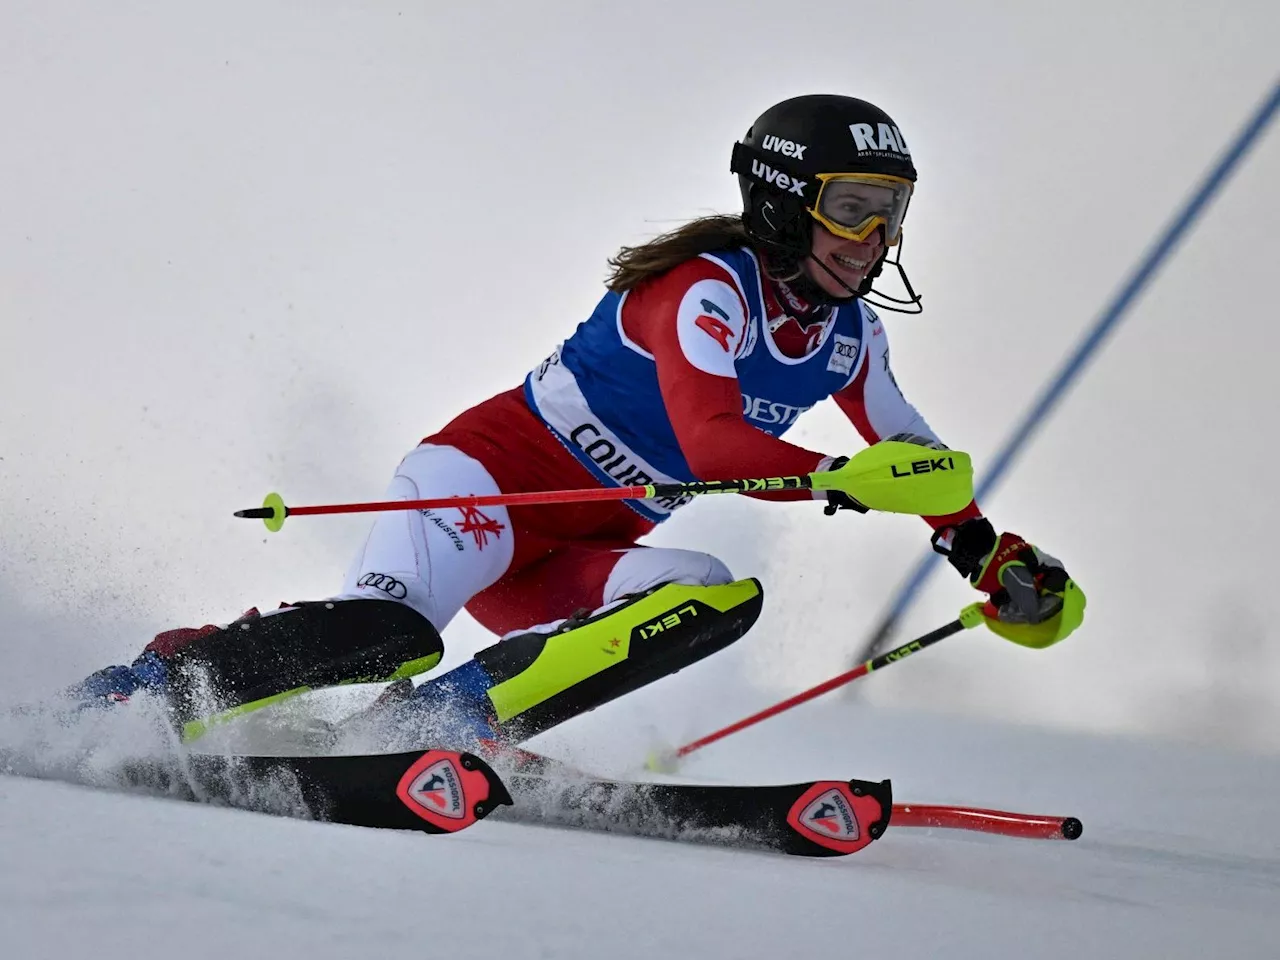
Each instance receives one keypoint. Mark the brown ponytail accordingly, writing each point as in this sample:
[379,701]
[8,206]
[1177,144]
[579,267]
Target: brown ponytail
[632,265]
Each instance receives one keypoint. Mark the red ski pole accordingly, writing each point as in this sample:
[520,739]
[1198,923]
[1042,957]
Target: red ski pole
[970,616]
[891,476]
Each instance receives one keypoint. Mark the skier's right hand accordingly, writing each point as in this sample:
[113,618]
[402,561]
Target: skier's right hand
[838,499]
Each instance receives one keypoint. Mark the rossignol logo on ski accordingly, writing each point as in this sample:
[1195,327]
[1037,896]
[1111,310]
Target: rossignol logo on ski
[778,178]
[924,466]
[449,791]
[437,789]
[880,139]
[842,817]
[788,148]
[832,816]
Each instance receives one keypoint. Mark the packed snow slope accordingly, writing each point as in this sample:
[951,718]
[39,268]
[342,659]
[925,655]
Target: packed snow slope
[1180,856]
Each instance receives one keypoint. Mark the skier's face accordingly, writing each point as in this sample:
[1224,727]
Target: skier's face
[850,260]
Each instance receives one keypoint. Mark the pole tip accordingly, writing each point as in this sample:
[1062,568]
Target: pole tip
[273,512]
[662,761]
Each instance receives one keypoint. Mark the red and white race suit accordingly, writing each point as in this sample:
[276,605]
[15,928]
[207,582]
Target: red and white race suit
[693,374]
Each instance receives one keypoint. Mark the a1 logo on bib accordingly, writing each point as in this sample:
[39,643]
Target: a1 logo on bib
[844,354]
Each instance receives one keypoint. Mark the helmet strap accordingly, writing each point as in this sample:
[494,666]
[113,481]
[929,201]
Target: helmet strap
[876,298]
[783,229]
[882,301]
[830,273]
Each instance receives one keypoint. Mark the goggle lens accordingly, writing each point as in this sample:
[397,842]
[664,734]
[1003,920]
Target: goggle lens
[851,206]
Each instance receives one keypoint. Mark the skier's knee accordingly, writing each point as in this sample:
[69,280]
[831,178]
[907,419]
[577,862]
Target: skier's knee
[434,561]
[404,587]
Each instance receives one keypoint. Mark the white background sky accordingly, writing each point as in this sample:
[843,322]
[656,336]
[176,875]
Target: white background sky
[256,246]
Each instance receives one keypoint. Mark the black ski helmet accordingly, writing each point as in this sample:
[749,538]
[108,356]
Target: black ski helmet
[779,161]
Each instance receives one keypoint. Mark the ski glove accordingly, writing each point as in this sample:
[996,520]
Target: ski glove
[838,499]
[1025,584]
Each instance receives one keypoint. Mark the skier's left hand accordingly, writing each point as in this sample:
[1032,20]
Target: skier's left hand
[1024,583]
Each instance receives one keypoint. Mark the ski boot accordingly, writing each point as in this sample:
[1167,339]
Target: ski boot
[527,683]
[116,684]
[211,674]
[450,711]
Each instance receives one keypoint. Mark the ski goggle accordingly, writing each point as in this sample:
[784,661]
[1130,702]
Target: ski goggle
[852,205]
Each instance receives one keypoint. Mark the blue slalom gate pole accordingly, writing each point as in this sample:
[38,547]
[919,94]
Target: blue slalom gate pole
[1075,363]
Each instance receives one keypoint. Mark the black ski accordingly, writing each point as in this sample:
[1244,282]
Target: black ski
[443,791]
[435,791]
[821,818]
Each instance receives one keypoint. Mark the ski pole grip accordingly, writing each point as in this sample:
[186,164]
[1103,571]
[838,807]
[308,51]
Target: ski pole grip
[898,477]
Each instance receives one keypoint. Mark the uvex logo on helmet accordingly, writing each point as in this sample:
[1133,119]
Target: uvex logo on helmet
[778,178]
[882,138]
[788,148]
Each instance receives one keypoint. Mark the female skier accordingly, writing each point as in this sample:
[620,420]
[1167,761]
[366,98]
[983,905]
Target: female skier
[709,344]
